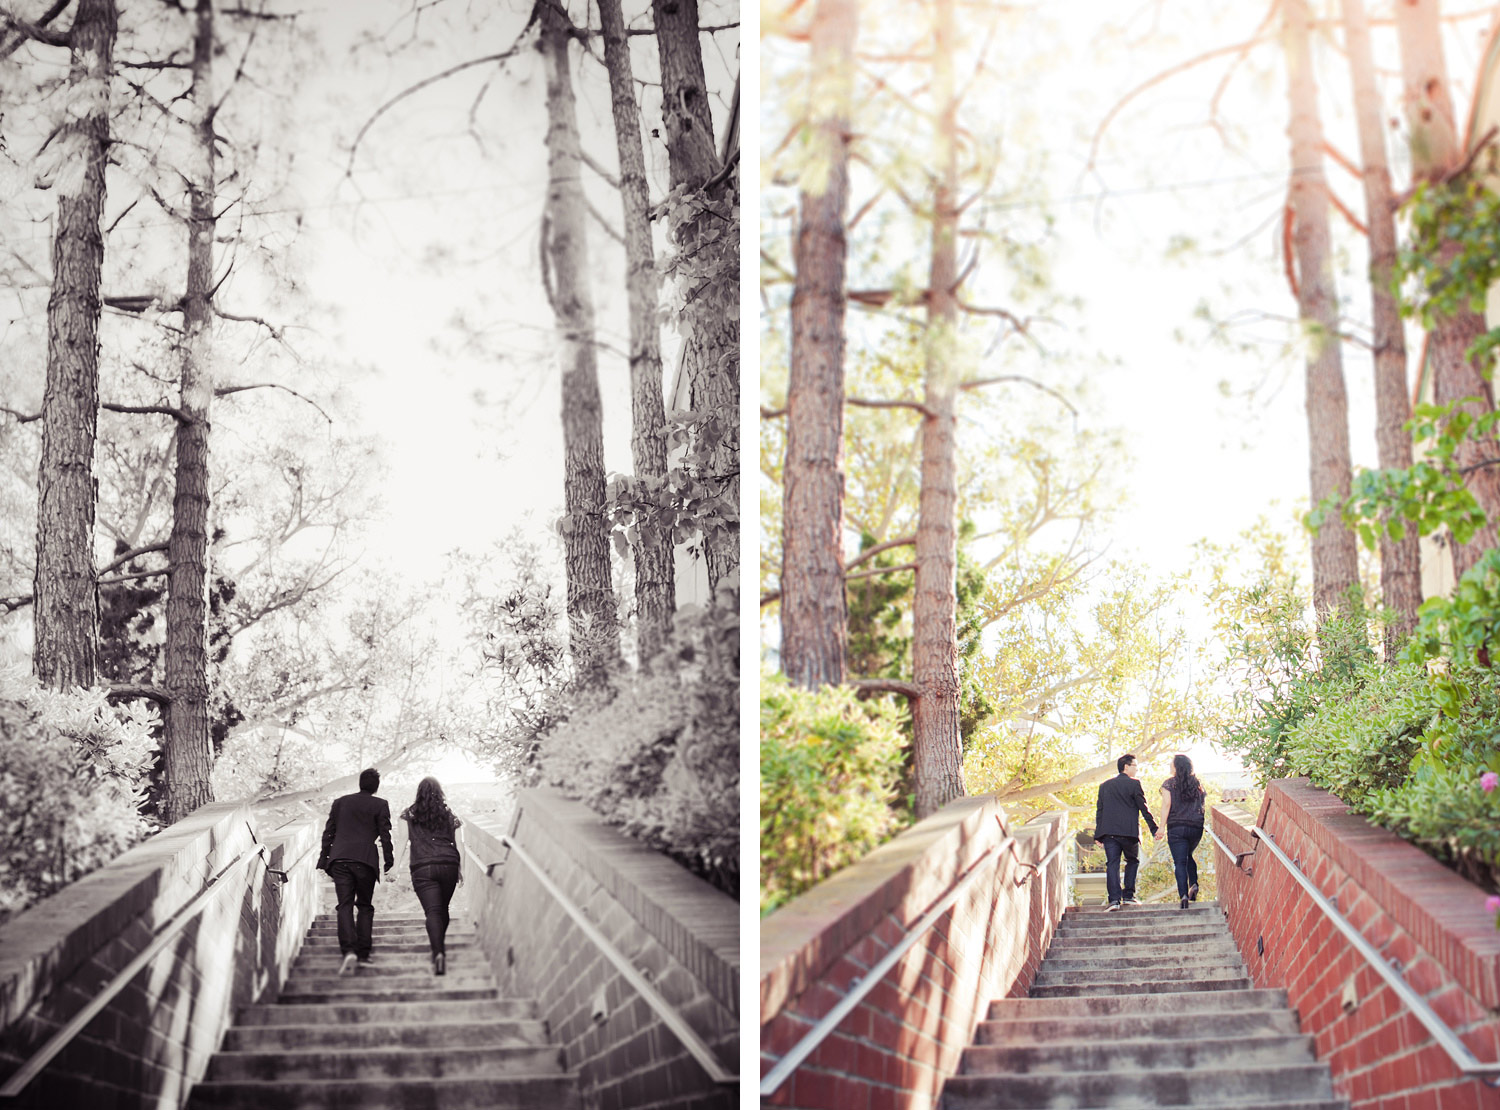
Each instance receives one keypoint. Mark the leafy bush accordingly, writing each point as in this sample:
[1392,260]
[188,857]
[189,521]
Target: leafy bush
[74,771]
[657,753]
[829,769]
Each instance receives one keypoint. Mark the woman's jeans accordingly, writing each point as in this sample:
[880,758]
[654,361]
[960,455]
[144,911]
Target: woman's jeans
[434,884]
[1183,841]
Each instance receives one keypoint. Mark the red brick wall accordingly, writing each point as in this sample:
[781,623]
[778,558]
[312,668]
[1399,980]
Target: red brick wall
[673,926]
[895,1049]
[1407,905]
[153,1042]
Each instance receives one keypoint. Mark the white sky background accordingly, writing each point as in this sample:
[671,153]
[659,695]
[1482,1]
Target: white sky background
[1216,436]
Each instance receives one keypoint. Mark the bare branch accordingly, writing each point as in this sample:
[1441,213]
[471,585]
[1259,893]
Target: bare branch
[21,417]
[225,391]
[137,690]
[599,218]
[979,383]
[133,553]
[765,413]
[133,575]
[591,163]
[870,552]
[160,410]
[874,571]
[885,686]
[915,406]
[36,32]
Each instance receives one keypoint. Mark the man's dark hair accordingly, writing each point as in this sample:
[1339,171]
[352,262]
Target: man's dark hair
[369,780]
[1119,763]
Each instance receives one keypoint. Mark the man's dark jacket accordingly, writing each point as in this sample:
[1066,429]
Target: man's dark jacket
[1121,805]
[353,824]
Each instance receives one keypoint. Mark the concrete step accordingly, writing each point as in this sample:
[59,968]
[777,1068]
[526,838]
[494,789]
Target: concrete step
[387,931]
[388,1013]
[1064,1007]
[329,945]
[442,1033]
[515,1093]
[1205,1052]
[490,1061]
[373,991]
[1163,941]
[1094,914]
[390,978]
[1126,974]
[1150,1028]
[1116,986]
[1275,1085]
[1144,933]
[390,963]
[1139,962]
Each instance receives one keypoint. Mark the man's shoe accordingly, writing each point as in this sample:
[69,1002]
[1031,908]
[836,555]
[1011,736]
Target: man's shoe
[367,959]
[1184,903]
[1132,901]
[1192,892]
[1111,906]
[440,964]
[351,962]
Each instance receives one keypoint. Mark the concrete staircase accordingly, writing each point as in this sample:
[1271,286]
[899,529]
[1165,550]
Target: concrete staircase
[392,1036]
[1142,1007]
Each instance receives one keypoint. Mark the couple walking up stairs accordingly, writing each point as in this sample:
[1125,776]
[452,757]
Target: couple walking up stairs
[392,1036]
[1143,1008]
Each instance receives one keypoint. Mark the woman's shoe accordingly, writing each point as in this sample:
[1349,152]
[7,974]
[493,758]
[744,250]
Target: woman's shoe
[1184,903]
[1192,892]
[439,964]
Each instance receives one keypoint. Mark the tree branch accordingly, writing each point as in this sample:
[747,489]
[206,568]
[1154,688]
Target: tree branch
[978,383]
[916,406]
[591,163]
[879,570]
[21,417]
[225,391]
[137,690]
[885,686]
[161,410]
[133,553]
[870,552]
[37,32]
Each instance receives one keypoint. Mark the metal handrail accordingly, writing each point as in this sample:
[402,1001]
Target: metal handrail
[664,1009]
[1462,1058]
[43,1056]
[1238,857]
[815,1036]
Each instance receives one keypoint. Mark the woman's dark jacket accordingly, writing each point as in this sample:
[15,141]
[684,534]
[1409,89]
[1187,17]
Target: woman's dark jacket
[1185,810]
[432,846]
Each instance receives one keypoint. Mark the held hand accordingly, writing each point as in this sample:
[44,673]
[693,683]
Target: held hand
[1161,834]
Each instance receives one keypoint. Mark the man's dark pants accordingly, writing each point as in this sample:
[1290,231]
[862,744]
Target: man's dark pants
[355,885]
[1183,840]
[1114,847]
[434,885]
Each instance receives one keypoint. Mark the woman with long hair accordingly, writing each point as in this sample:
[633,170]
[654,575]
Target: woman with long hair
[432,831]
[1182,825]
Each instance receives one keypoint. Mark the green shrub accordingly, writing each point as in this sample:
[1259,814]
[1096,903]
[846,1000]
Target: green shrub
[656,754]
[74,771]
[829,769]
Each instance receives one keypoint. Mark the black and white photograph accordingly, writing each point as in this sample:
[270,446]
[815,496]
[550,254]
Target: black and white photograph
[370,541]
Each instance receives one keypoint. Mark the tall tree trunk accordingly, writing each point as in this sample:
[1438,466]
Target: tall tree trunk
[1334,555]
[188,750]
[1436,151]
[592,630]
[1400,560]
[814,611]
[66,590]
[937,756]
[711,319]
[655,587]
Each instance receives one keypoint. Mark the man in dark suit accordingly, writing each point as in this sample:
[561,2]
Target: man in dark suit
[1117,825]
[354,822]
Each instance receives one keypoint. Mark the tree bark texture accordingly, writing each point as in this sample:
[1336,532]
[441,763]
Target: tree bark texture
[1400,560]
[937,756]
[814,608]
[65,588]
[711,320]
[1334,555]
[1436,152]
[593,632]
[188,750]
[655,584]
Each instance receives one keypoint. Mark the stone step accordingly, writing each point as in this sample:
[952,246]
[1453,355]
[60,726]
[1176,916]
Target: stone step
[514,1093]
[351,990]
[490,1061]
[1162,940]
[390,963]
[1121,1087]
[1200,930]
[1079,1055]
[384,930]
[1150,1028]
[411,943]
[389,1012]
[1126,975]
[390,978]
[1092,915]
[1116,986]
[1084,960]
[414,1033]
[1064,1007]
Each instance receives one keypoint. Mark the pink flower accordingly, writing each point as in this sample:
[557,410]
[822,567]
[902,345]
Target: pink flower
[1492,903]
[1488,781]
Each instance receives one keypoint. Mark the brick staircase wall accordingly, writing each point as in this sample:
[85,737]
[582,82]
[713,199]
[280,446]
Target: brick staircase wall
[153,1042]
[896,1048]
[1410,907]
[674,927]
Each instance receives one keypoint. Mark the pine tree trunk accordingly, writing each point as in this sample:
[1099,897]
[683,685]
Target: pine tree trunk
[592,629]
[814,613]
[1334,555]
[1400,560]
[655,586]
[1436,151]
[66,590]
[937,748]
[711,319]
[188,751]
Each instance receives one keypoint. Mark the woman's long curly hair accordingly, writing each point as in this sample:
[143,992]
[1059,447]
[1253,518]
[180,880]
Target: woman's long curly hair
[1186,788]
[430,810]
